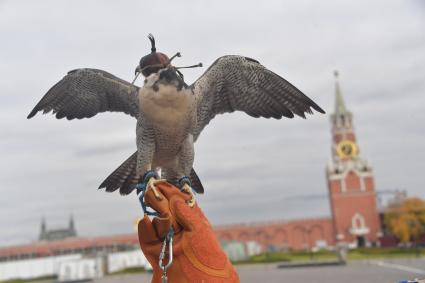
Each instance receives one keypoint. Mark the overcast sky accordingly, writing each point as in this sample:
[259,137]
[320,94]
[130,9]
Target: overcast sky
[252,169]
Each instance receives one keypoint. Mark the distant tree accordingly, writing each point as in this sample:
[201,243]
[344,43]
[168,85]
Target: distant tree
[406,219]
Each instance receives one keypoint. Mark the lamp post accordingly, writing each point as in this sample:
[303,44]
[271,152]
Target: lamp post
[308,231]
[413,237]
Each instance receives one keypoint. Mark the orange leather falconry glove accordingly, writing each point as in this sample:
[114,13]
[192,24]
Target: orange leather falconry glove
[197,255]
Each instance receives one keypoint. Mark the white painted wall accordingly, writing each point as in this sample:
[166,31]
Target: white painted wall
[253,248]
[32,268]
[235,250]
[123,260]
[74,266]
[85,268]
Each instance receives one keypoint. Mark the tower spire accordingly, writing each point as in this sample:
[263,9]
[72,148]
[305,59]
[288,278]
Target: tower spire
[71,222]
[43,229]
[43,224]
[340,108]
[72,229]
[341,117]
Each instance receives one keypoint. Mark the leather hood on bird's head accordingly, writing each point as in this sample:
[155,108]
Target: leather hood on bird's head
[154,61]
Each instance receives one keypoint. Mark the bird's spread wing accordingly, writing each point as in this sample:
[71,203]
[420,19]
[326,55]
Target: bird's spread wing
[83,93]
[239,83]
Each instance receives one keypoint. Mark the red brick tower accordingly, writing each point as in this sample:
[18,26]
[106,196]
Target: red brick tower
[350,182]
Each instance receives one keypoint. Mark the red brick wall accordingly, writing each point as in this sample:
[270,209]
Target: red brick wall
[295,234]
[369,184]
[352,182]
[344,205]
[338,137]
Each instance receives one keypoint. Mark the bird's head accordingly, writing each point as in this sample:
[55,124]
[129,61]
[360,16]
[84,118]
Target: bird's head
[167,76]
[156,61]
[152,62]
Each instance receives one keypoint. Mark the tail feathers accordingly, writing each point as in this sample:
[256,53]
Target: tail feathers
[125,178]
[196,183]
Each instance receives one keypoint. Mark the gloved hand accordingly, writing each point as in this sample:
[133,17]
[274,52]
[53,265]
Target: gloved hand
[197,255]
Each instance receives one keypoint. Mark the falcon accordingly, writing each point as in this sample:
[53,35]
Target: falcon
[171,114]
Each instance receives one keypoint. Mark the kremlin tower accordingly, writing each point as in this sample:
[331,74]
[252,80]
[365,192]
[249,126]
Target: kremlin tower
[350,182]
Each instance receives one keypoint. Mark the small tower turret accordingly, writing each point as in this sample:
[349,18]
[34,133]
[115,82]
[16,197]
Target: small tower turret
[43,229]
[72,229]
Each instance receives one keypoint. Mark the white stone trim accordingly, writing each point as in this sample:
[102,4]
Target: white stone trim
[343,185]
[360,218]
[358,228]
[362,184]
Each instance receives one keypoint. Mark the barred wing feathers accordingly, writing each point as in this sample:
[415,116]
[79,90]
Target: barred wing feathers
[83,93]
[237,83]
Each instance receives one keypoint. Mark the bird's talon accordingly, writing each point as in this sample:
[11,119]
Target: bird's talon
[151,185]
[188,190]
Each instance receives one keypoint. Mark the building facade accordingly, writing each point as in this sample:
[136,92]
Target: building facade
[301,234]
[57,234]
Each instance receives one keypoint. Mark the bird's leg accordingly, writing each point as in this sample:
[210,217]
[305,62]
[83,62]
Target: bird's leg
[145,151]
[149,180]
[151,185]
[185,163]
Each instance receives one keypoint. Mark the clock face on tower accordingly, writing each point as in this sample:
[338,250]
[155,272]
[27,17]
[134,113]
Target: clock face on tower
[346,149]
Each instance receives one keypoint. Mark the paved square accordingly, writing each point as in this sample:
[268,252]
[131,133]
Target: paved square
[380,271]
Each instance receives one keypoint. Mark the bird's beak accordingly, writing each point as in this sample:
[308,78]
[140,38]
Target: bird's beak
[136,74]
[137,71]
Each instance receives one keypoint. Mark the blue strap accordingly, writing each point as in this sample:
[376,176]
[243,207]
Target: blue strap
[141,196]
[141,190]
[184,180]
[149,174]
